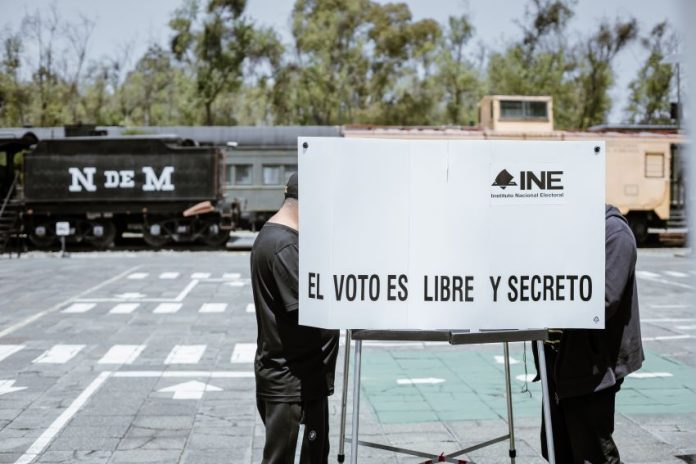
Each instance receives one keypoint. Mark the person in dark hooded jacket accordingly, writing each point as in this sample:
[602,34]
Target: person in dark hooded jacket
[586,367]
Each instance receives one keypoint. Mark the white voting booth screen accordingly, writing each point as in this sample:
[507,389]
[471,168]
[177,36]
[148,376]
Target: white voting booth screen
[433,234]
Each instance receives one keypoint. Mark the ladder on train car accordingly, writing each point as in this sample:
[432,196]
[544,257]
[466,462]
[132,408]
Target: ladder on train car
[9,217]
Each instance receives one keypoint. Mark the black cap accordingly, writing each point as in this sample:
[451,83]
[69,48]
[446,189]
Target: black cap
[291,188]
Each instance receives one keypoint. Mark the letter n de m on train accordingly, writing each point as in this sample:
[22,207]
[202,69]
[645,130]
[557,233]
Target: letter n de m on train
[83,179]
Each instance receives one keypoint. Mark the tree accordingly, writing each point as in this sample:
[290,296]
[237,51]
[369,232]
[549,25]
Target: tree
[596,75]
[216,48]
[649,100]
[540,64]
[14,98]
[456,74]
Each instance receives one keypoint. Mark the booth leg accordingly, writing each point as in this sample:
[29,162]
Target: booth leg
[356,404]
[344,400]
[508,395]
[547,403]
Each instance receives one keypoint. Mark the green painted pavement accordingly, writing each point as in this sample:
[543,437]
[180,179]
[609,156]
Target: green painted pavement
[474,386]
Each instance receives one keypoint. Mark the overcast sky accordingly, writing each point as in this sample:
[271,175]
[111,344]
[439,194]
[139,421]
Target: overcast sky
[142,22]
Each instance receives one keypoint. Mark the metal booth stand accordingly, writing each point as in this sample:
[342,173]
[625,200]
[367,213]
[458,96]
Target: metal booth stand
[453,338]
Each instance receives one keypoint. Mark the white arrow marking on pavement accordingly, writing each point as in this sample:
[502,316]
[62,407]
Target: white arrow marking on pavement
[501,360]
[232,275]
[200,275]
[167,308]
[122,354]
[9,350]
[243,353]
[251,308]
[192,390]
[59,354]
[130,295]
[169,275]
[525,378]
[185,354]
[649,375]
[6,387]
[124,308]
[213,308]
[79,307]
[138,276]
[428,381]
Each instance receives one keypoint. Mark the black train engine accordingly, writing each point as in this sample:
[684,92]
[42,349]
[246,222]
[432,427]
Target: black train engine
[164,187]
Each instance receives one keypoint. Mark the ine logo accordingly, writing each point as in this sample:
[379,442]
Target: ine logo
[529,180]
[504,179]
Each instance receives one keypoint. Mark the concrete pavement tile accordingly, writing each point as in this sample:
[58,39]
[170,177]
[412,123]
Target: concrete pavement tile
[145,456]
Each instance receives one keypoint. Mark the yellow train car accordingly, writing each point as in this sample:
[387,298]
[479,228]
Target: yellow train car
[644,171]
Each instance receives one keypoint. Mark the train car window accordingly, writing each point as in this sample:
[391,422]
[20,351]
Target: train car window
[239,174]
[654,165]
[288,169]
[517,109]
[272,175]
[511,109]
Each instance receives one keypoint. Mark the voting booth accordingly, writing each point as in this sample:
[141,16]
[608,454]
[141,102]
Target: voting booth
[452,239]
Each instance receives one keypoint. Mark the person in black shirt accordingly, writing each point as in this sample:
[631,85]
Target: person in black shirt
[294,364]
[586,367]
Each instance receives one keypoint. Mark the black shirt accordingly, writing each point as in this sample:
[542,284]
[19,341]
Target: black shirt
[293,362]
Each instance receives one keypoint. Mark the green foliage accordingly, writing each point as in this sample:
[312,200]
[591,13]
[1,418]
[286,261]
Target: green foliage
[649,102]
[348,62]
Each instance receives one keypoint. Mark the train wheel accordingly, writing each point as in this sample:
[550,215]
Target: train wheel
[43,236]
[214,236]
[154,235]
[102,234]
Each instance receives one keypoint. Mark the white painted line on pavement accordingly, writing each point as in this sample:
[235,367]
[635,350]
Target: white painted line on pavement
[236,284]
[666,337]
[678,274]
[185,354]
[525,378]
[649,375]
[124,308]
[213,308]
[652,277]
[186,374]
[668,319]
[138,276]
[250,308]
[77,308]
[186,291]
[423,381]
[122,354]
[54,429]
[8,350]
[232,275]
[243,353]
[58,306]
[669,306]
[501,360]
[169,275]
[200,275]
[59,354]
[686,327]
[167,308]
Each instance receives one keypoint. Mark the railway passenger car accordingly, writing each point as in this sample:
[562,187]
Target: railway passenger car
[258,165]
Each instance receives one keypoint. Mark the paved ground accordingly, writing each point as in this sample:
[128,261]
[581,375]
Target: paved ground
[146,357]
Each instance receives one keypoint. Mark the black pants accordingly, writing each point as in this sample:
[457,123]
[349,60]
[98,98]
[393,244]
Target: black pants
[582,426]
[282,421]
